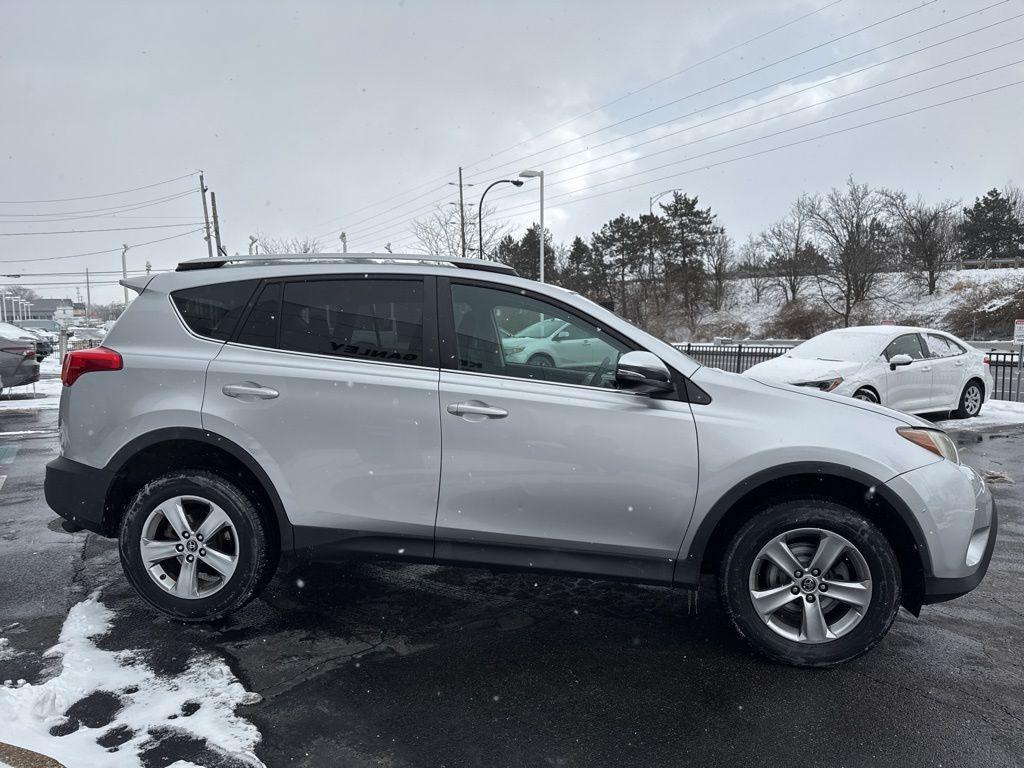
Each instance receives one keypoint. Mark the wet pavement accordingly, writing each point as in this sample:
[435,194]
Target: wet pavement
[407,665]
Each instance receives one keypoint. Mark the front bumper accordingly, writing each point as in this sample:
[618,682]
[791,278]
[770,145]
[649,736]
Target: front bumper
[77,492]
[956,515]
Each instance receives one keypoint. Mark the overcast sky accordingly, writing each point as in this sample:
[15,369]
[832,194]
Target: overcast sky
[309,118]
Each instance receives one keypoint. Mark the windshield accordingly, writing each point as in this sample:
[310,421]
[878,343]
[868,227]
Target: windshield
[842,345]
[541,329]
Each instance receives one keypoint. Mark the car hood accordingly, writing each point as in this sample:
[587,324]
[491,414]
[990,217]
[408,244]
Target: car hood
[794,370]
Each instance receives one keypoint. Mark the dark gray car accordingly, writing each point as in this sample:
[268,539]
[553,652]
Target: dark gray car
[18,364]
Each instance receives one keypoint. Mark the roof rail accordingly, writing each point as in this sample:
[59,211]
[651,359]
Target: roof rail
[267,259]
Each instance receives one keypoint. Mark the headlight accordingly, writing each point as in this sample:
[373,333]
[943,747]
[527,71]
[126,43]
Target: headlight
[825,385]
[934,440]
[514,350]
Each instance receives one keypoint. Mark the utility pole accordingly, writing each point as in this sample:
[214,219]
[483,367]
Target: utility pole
[344,243]
[252,244]
[88,296]
[206,216]
[124,271]
[462,215]
[216,225]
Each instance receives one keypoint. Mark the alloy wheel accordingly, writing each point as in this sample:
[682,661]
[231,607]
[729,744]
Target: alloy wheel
[189,547]
[972,399]
[810,585]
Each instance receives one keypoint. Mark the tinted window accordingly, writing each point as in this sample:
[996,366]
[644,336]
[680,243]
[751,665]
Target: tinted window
[357,318]
[260,329]
[908,344]
[940,346]
[508,334]
[213,310]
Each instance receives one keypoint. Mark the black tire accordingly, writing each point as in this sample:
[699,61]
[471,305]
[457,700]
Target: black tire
[255,565]
[970,403]
[541,360]
[866,394]
[735,574]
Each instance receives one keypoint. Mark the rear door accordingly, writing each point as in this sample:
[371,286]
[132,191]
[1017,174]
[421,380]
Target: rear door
[549,466]
[331,384]
[949,370]
[908,388]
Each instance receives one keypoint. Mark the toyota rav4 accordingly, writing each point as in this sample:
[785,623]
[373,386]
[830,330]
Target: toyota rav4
[245,411]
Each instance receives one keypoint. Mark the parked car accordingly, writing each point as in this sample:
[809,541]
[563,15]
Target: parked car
[249,410]
[50,326]
[44,346]
[556,342]
[916,370]
[18,363]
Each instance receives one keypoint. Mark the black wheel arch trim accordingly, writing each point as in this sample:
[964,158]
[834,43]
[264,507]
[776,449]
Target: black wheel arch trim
[196,434]
[688,570]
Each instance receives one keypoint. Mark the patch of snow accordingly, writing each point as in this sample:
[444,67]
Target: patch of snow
[44,394]
[28,712]
[994,413]
[6,652]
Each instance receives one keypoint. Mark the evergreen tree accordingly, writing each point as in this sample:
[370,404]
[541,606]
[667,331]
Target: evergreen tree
[990,229]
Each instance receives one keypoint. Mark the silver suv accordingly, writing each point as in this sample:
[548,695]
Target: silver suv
[247,411]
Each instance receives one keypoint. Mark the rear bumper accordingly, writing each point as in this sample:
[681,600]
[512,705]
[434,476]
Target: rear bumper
[77,492]
[939,590]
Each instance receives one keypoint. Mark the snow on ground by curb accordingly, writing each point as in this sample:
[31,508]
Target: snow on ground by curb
[148,701]
[994,414]
[46,395]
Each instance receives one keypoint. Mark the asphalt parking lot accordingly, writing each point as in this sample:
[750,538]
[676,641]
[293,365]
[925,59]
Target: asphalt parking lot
[402,665]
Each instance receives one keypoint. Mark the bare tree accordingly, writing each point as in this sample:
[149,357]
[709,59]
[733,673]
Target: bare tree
[854,243]
[791,257]
[752,267]
[718,260]
[439,232]
[1015,195]
[926,233]
[267,244]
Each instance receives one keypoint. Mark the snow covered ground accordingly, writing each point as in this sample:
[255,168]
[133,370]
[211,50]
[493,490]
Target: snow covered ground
[45,393]
[199,703]
[994,414]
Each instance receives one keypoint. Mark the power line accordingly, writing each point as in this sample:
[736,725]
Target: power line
[596,109]
[102,212]
[98,253]
[105,194]
[105,229]
[833,63]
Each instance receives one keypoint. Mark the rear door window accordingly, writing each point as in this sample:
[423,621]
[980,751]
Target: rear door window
[364,319]
[214,310]
[940,346]
[260,329]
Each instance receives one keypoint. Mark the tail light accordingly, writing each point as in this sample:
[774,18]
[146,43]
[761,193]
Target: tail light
[84,361]
[986,360]
[29,351]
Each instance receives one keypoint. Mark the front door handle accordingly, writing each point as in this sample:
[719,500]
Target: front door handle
[249,391]
[476,408]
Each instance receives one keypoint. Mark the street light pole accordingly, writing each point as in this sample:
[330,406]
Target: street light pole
[538,175]
[480,210]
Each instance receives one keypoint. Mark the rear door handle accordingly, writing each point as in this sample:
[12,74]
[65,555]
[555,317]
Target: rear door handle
[249,391]
[476,408]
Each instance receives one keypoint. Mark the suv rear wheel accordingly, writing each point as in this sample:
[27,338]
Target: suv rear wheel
[811,583]
[194,546]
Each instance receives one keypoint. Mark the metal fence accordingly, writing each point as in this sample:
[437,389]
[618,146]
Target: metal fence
[739,357]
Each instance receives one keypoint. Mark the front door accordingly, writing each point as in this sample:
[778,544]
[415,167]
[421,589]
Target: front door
[908,388]
[549,466]
[331,385]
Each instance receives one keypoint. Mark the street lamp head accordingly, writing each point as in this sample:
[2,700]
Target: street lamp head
[516,182]
[530,174]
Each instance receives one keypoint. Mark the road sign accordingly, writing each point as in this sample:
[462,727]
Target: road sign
[1018,338]
[1018,332]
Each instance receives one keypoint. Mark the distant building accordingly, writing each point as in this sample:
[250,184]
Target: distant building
[51,309]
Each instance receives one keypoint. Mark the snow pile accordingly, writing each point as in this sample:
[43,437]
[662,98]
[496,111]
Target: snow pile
[148,701]
[994,414]
[46,395]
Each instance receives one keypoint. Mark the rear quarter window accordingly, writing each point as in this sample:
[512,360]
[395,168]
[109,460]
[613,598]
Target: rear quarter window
[213,311]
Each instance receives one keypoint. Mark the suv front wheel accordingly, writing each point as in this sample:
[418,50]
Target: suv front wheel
[194,546]
[811,583]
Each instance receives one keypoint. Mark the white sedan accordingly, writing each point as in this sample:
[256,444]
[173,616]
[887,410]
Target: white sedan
[916,370]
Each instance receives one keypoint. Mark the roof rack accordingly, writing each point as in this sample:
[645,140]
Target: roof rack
[267,259]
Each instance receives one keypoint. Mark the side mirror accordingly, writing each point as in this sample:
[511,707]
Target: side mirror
[643,373]
[899,361]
